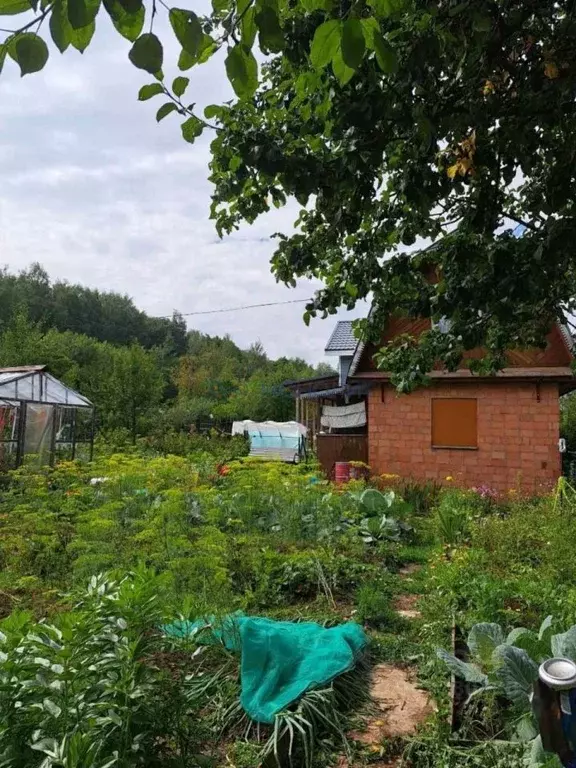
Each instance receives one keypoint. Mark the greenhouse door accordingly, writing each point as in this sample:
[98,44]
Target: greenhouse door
[39,432]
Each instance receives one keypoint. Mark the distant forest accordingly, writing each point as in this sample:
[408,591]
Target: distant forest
[144,374]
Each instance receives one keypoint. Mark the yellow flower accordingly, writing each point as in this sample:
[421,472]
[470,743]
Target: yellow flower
[449,478]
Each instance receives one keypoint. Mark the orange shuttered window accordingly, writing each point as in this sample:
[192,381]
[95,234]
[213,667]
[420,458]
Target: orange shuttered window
[454,422]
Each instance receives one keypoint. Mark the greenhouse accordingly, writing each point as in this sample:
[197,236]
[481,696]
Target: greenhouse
[41,419]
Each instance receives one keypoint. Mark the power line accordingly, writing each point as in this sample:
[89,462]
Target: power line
[237,309]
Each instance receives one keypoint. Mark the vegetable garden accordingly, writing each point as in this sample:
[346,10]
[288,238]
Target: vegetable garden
[96,559]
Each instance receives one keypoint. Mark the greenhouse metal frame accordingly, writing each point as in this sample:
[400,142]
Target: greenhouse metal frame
[41,417]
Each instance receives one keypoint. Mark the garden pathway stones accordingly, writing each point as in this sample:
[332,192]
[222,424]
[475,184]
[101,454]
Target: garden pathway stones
[405,606]
[400,706]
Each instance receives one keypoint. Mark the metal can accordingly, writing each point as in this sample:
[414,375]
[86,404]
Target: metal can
[559,675]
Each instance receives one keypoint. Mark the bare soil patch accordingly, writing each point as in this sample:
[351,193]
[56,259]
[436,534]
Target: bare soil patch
[400,707]
[405,605]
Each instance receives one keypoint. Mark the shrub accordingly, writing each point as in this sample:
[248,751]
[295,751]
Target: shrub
[453,513]
[79,691]
[373,605]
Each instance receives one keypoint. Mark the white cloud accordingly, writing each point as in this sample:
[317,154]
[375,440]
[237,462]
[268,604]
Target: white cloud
[100,194]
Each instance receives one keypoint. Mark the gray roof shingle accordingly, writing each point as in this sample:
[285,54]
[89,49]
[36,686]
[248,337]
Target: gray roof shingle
[342,338]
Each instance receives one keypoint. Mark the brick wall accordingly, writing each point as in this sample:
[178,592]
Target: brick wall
[518,432]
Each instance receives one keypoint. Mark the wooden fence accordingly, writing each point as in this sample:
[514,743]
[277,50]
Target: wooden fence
[333,448]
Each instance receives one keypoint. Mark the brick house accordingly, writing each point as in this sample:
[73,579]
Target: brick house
[500,431]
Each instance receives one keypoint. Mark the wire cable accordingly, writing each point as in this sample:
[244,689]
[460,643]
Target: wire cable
[236,309]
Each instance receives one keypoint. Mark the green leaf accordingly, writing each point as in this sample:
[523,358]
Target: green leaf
[353,43]
[81,13]
[483,639]
[185,61]
[342,72]
[149,91]
[165,110]
[537,649]
[385,54]
[191,129]
[314,5]
[248,27]
[351,290]
[212,110]
[188,30]
[369,28]
[526,729]
[326,43]
[375,502]
[13,7]
[481,23]
[242,71]
[30,52]
[469,672]
[517,673]
[60,28]
[147,53]
[385,8]
[51,708]
[539,758]
[564,645]
[207,48]
[270,35]
[545,631]
[80,38]
[128,23]
[180,84]
[132,7]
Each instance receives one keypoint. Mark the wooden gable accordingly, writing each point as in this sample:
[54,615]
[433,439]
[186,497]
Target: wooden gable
[555,355]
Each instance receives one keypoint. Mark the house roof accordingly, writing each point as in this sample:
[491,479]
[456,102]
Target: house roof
[314,384]
[362,388]
[342,338]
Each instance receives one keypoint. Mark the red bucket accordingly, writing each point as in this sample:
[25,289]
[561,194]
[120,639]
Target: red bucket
[342,471]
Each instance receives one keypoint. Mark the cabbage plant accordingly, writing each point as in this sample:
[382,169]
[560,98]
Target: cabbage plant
[508,664]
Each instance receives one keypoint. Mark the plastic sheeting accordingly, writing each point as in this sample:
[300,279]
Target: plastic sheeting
[272,439]
[38,431]
[344,417]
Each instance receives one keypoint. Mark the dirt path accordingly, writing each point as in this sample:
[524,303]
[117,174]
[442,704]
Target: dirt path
[400,706]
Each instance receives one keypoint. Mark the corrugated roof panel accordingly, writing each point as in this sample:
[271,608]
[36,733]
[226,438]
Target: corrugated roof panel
[342,338]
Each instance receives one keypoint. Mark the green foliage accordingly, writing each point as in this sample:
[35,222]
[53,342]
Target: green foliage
[509,667]
[568,421]
[454,512]
[81,691]
[374,606]
[192,374]
[147,53]
[452,140]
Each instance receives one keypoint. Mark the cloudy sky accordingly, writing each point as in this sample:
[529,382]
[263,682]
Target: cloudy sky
[99,194]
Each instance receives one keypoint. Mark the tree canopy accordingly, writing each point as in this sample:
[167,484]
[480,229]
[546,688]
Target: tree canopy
[393,123]
[136,385]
